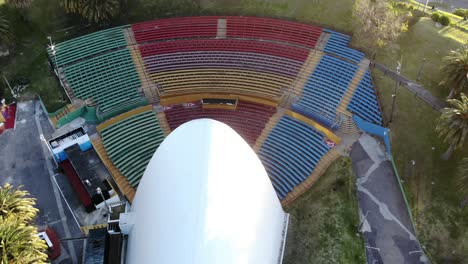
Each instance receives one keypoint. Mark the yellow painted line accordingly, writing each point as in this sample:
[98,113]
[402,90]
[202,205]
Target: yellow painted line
[123,117]
[330,135]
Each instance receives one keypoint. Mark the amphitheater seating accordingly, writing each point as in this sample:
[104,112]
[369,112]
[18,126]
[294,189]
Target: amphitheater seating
[109,79]
[131,142]
[338,44]
[221,80]
[364,102]
[222,59]
[173,28]
[273,30]
[290,153]
[88,45]
[232,45]
[248,119]
[326,86]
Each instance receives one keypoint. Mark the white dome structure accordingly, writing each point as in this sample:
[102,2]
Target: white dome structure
[205,198]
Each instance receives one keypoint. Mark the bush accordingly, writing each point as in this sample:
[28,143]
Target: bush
[461,13]
[444,20]
[435,17]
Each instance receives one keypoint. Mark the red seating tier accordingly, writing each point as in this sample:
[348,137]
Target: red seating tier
[234,45]
[185,27]
[273,29]
[248,119]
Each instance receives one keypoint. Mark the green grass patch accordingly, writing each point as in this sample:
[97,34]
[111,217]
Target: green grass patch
[431,184]
[423,40]
[324,221]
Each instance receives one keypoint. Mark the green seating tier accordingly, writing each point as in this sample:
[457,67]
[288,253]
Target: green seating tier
[131,142]
[88,45]
[110,80]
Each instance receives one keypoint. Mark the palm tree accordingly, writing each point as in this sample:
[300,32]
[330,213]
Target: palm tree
[456,70]
[19,3]
[20,243]
[14,203]
[5,33]
[453,124]
[95,11]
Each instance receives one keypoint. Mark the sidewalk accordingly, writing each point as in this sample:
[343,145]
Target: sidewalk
[385,222]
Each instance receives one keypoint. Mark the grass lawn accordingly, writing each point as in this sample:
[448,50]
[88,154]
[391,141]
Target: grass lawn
[324,221]
[431,184]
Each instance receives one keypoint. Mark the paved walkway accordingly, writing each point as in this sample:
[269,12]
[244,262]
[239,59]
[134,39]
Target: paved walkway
[413,87]
[24,160]
[385,222]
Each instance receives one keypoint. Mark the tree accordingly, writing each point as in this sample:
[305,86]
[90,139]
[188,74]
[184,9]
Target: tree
[19,241]
[5,33]
[376,23]
[95,11]
[15,203]
[456,70]
[19,3]
[453,124]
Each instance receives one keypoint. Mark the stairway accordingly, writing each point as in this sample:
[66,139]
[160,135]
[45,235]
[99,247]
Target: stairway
[66,110]
[148,88]
[347,125]
[222,25]
[322,41]
[267,129]
[348,95]
[163,123]
[71,95]
[299,82]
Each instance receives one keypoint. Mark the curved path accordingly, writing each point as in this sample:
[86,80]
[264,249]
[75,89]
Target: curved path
[385,221]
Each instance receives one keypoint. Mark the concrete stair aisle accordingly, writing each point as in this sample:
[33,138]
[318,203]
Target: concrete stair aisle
[363,67]
[163,123]
[321,167]
[267,129]
[322,41]
[299,82]
[347,125]
[222,28]
[148,87]
[66,110]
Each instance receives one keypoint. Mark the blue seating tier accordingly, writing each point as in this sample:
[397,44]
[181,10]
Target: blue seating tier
[290,153]
[326,86]
[338,44]
[364,102]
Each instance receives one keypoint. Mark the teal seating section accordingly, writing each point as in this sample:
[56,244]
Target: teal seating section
[88,45]
[110,79]
[131,143]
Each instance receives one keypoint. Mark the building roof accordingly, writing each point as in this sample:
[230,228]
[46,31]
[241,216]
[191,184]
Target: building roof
[205,198]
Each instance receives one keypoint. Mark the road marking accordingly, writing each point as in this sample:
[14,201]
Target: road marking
[46,155]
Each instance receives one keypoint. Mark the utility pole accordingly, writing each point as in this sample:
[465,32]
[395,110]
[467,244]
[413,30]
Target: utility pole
[425,6]
[418,77]
[397,84]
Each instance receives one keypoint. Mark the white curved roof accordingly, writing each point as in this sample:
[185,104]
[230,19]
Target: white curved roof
[205,198]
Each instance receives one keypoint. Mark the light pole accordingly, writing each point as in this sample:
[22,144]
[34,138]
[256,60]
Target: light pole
[99,191]
[52,47]
[418,77]
[397,84]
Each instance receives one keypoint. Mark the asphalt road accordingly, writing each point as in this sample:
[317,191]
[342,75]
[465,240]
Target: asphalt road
[25,161]
[385,222]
